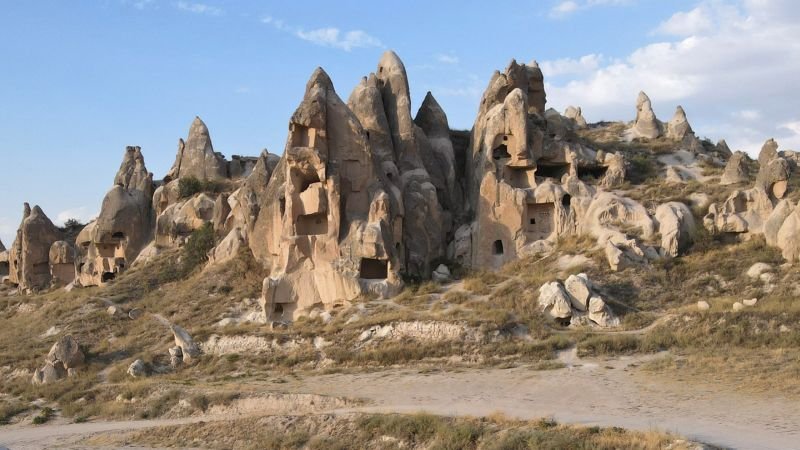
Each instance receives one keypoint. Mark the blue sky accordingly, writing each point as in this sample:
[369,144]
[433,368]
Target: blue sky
[80,80]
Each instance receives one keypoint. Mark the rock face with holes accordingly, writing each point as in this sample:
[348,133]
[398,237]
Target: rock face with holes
[331,223]
[124,226]
[29,255]
[646,124]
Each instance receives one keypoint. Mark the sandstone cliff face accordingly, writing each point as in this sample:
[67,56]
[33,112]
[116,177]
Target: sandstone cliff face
[328,217]
[29,256]
[124,226]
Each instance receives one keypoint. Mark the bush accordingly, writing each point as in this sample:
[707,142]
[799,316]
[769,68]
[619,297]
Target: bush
[195,252]
[189,186]
[43,416]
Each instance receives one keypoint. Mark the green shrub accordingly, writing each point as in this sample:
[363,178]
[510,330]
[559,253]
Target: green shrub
[189,186]
[195,252]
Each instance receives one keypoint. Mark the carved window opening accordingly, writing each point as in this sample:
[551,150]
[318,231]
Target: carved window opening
[118,235]
[303,136]
[282,203]
[373,269]
[566,200]
[277,311]
[497,247]
[312,224]
[500,152]
[595,172]
[552,170]
[541,222]
[107,276]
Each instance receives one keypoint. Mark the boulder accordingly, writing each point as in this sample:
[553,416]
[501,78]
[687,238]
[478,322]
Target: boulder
[50,373]
[775,221]
[555,301]
[576,115]
[757,269]
[735,171]
[137,369]
[66,350]
[441,274]
[773,177]
[678,127]
[750,302]
[676,226]
[601,314]
[189,349]
[579,291]
[737,306]
[646,125]
[703,305]
[787,239]
[769,151]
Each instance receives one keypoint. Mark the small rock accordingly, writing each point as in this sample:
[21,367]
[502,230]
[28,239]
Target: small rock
[579,290]
[784,329]
[757,269]
[441,274]
[326,317]
[137,369]
[71,372]
[703,305]
[750,302]
[114,311]
[69,287]
[135,313]
[738,306]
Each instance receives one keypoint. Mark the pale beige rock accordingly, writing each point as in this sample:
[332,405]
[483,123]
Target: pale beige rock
[66,350]
[29,256]
[735,171]
[646,125]
[575,114]
[750,302]
[578,288]
[62,262]
[196,157]
[678,127]
[773,177]
[189,349]
[769,151]
[554,301]
[137,369]
[601,314]
[757,269]
[703,305]
[742,212]
[737,306]
[227,249]
[676,226]
[787,238]
[110,244]
[775,221]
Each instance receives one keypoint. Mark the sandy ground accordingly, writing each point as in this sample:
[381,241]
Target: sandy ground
[591,392]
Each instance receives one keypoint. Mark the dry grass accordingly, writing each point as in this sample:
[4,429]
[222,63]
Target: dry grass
[394,431]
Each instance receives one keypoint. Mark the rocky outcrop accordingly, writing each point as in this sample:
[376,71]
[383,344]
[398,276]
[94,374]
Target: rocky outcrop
[678,127]
[575,302]
[773,177]
[676,227]
[3,263]
[62,262]
[184,341]
[332,233]
[646,124]
[64,358]
[196,157]
[124,226]
[576,115]
[769,151]
[29,256]
[735,170]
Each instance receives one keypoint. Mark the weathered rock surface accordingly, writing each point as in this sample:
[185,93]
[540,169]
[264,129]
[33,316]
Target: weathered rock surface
[29,256]
[184,341]
[196,157]
[137,369]
[646,125]
[576,115]
[66,350]
[676,226]
[574,301]
[678,127]
[735,170]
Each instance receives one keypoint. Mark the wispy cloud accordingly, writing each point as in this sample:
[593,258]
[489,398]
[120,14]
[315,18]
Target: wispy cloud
[446,58]
[566,8]
[199,8]
[571,66]
[327,37]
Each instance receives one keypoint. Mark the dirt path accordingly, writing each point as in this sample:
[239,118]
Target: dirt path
[591,392]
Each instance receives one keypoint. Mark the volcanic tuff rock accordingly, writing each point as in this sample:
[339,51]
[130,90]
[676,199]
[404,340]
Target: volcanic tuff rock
[735,170]
[678,127]
[646,125]
[124,226]
[29,256]
[196,156]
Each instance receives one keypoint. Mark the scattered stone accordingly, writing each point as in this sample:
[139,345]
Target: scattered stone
[137,369]
[757,269]
[135,313]
[555,301]
[738,306]
[441,274]
[579,290]
[750,302]
[703,305]
[115,311]
[183,340]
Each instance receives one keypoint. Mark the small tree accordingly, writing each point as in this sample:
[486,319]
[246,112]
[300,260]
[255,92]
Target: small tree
[188,186]
[195,252]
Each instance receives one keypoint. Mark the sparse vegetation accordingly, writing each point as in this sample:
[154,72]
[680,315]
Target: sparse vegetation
[190,186]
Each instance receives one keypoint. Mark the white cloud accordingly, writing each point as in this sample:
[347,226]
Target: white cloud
[794,127]
[566,8]
[687,23]
[82,213]
[747,61]
[570,66]
[199,8]
[447,58]
[327,37]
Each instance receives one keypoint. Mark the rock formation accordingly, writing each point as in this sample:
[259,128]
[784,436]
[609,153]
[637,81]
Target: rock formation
[124,226]
[735,170]
[3,263]
[62,262]
[576,115]
[196,157]
[29,256]
[676,227]
[646,125]
[678,127]
[575,302]
[64,358]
